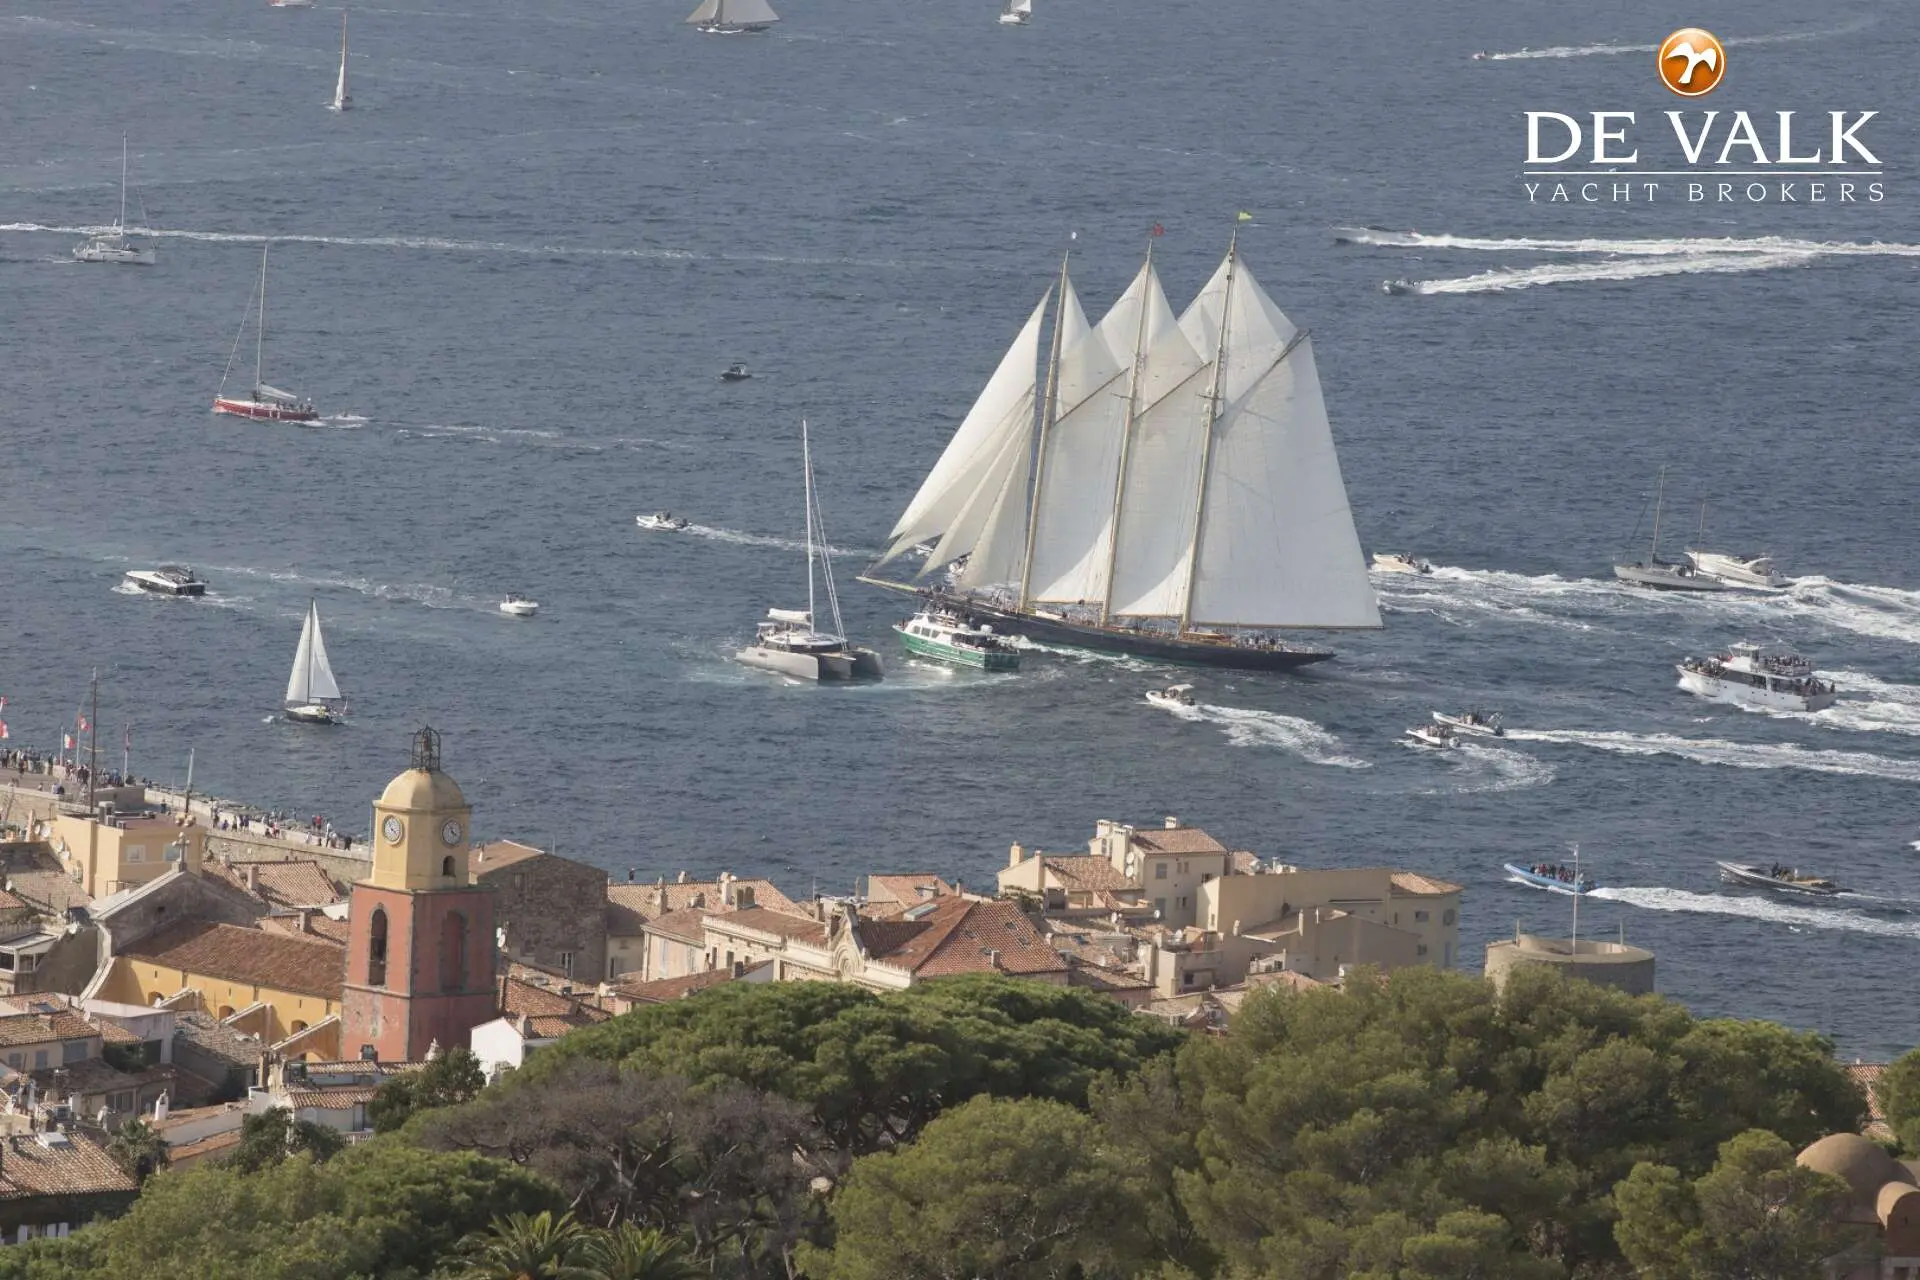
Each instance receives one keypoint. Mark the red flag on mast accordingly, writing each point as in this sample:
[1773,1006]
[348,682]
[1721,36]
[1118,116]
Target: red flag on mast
[1158,230]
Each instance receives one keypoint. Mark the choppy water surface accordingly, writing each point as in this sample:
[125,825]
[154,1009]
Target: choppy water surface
[512,273]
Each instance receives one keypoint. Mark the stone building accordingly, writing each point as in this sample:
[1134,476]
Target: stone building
[1608,964]
[53,1183]
[551,910]
[1883,1204]
[630,906]
[1161,868]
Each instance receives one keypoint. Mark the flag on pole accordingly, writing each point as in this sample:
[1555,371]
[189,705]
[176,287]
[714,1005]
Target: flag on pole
[4,735]
[66,740]
[82,726]
[3,702]
[1158,230]
[126,739]
[1243,216]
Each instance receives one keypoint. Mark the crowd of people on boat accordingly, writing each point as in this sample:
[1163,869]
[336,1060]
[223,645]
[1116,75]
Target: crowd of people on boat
[1781,675]
[1779,871]
[1558,871]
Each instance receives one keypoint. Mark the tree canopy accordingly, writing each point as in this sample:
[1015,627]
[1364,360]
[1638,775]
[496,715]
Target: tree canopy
[1900,1099]
[452,1078]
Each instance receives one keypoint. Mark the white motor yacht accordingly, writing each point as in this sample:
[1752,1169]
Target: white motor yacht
[1485,724]
[167,580]
[1748,673]
[1433,735]
[1755,572]
[663,520]
[1395,562]
[519,606]
[1174,695]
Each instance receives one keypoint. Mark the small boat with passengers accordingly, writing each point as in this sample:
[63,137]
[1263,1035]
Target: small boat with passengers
[1433,735]
[516,606]
[1554,877]
[1778,878]
[167,580]
[946,635]
[1485,724]
[1174,695]
[1397,562]
[664,520]
[1772,679]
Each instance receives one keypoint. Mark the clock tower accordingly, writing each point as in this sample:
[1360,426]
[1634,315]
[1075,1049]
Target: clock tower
[420,942]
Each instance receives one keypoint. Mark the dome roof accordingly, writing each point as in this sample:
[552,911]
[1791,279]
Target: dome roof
[423,790]
[1892,1194]
[1862,1163]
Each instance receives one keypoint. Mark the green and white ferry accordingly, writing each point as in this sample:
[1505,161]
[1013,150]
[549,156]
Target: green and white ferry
[947,637]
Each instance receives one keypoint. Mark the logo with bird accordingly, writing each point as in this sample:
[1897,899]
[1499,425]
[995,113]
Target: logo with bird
[1692,62]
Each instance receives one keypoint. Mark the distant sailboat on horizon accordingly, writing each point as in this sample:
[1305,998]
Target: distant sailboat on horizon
[112,245]
[732,17]
[312,690]
[267,403]
[1017,13]
[342,100]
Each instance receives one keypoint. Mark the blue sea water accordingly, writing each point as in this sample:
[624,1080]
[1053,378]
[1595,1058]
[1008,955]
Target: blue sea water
[510,275]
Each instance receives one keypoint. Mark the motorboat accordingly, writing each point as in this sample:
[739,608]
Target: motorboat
[1484,724]
[112,244]
[1174,695]
[1554,877]
[519,606]
[167,580]
[313,694]
[290,4]
[1664,575]
[1396,562]
[1755,572]
[265,403]
[1433,735]
[665,520]
[788,642]
[1771,679]
[1778,878]
[947,636]
[735,372]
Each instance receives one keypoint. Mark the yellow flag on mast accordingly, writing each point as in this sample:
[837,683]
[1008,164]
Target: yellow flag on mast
[1244,216]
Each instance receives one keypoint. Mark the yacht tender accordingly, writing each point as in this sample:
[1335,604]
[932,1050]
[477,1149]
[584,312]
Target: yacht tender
[948,636]
[1486,724]
[1778,878]
[1396,562]
[1554,877]
[1752,674]
[663,520]
[1433,735]
[1174,695]
[167,580]
[519,606]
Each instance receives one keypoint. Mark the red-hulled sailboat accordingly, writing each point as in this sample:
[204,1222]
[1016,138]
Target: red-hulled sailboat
[265,403]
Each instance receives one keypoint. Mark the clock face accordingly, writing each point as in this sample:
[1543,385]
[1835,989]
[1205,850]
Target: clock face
[393,829]
[450,831]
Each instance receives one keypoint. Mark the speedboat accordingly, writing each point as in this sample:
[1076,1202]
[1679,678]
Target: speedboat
[1174,695]
[1554,877]
[663,520]
[167,580]
[1395,562]
[736,372]
[1778,879]
[519,606]
[1433,735]
[1755,572]
[1773,680]
[1486,724]
[947,636]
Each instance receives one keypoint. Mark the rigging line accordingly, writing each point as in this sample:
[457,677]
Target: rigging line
[239,333]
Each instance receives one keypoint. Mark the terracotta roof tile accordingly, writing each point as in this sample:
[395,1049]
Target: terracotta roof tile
[317,926]
[1412,882]
[298,882]
[39,878]
[655,900]
[330,1099]
[518,997]
[194,1115]
[956,935]
[114,1033]
[662,990]
[1176,840]
[781,923]
[623,921]
[1867,1076]
[907,888]
[308,966]
[11,902]
[208,1146]
[1245,863]
[495,855]
[75,1166]
[1096,977]
[1085,872]
[687,924]
[40,1027]
[213,1037]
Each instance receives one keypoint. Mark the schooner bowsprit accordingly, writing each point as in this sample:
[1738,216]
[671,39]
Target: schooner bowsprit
[1160,485]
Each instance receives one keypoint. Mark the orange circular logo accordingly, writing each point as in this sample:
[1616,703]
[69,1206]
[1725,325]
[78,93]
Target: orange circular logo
[1692,61]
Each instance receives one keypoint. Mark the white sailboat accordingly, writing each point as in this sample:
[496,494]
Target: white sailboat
[312,692]
[1179,496]
[1017,13]
[1663,575]
[732,17]
[112,245]
[787,641]
[342,100]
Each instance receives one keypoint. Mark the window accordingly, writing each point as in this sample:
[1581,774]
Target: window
[1420,917]
[1420,950]
[136,853]
[1205,876]
[1449,916]
[73,1051]
[729,959]
[566,963]
[1186,979]
[446,866]
[1183,902]
[16,1060]
[1159,871]
[1160,906]
[453,952]
[377,948]
[121,1102]
[39,1059]
[298,1026]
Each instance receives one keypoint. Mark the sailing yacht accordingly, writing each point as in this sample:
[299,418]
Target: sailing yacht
[266,403]
[312,692]
[1664,575]
[112,245]
[787,641]
[342,100]
[1017,13]
[732,17]
[1173,492]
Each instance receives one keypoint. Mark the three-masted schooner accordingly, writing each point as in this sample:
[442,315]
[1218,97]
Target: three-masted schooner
[1160,485]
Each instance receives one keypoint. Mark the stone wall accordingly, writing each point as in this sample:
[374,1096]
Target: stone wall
[550,907]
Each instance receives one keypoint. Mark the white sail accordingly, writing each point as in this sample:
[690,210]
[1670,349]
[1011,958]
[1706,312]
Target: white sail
[1004,410]
[1277,547]
[1002,542]
[1023,7]
[1153,537]
[738,13]
[709,11]
[340,99]
[312,677]
[964,533]
[1073,510]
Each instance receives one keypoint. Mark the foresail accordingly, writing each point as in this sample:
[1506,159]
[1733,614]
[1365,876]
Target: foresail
[302,656]
[1003,411]
[707,12]
[1002,542]
[965,532]
[1161,492]
[750,12]
[320,684]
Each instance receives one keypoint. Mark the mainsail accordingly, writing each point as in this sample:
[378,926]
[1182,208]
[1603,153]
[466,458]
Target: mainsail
[312,677]
[1182,469]
[734,13]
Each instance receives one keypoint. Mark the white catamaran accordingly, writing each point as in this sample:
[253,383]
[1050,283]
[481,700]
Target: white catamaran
[312,692]
[342,100]
[112,245]
[732,17]
[1172,492]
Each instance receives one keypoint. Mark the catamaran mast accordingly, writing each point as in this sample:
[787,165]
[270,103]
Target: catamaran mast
[806,465]
[121,225]
[260,342]
[1206,441]
[1048,414]
[1126,433]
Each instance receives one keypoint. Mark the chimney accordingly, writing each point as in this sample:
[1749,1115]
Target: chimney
[252,874]
[1016,855]
[525,1026]
[993,959]
[682,879]
[1173,823]
[160,1107]
[306,920]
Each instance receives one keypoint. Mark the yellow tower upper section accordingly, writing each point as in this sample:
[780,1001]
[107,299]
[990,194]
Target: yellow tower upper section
[420,825]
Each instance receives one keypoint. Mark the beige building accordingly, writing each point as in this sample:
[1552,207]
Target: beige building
[1882,1207]
[1281,903]
[1161,868]
[630,906]
[1610,964]
[106,855]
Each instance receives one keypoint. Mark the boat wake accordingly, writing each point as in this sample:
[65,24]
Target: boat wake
[1759,908]
[1086,657]
[738,538]
[422,593]
[1489,768]
[1867,703]
[1885,613]
[1247,727]
[1606,50]
[1509,281]
[1513,595]
[1736,755]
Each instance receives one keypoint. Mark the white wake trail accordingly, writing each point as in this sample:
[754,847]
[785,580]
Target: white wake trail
[1756,908]
[1736,755]
[1508,281]
[1604,50]
[1247,727]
